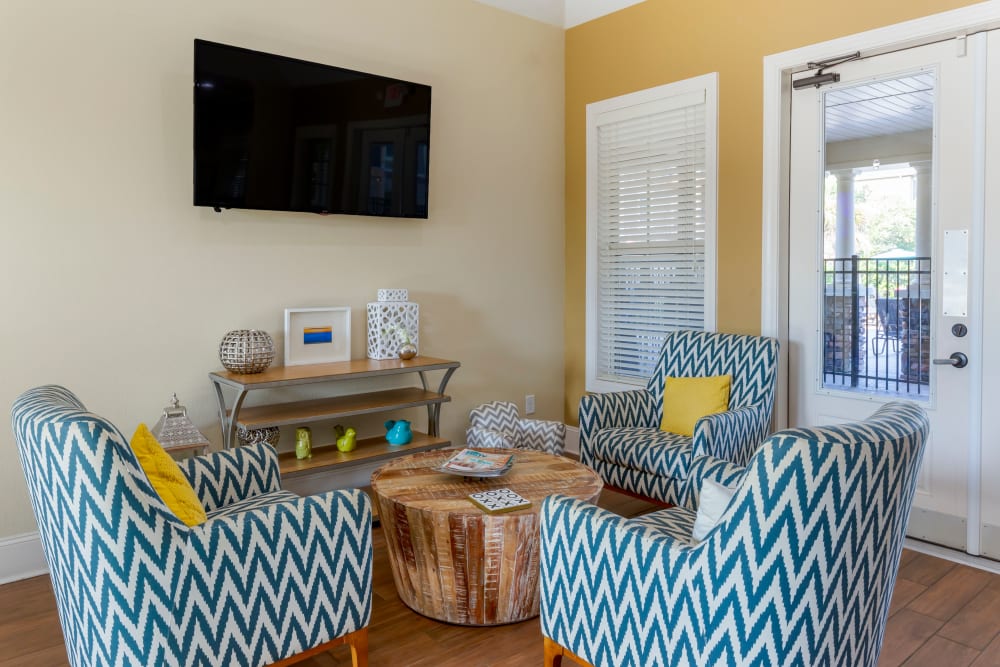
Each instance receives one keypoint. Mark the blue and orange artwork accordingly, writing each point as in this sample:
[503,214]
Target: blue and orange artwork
[314,335]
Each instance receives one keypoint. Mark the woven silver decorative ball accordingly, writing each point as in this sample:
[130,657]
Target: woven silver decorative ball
[246,351]
[253,436]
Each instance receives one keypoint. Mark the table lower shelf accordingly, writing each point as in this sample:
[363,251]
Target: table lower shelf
[296,413]
[369,450]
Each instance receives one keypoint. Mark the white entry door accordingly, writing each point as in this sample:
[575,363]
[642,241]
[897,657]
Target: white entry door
[989,405]
[885,262]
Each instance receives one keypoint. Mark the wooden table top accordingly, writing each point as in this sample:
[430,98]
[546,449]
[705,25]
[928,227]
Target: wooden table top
[281,376]
[411,481]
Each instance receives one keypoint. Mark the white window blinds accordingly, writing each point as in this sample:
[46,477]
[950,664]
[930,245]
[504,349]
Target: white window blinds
[651,191]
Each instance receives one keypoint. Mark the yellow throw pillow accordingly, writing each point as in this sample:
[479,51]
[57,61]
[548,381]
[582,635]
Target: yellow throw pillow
[167,479]
[686,400]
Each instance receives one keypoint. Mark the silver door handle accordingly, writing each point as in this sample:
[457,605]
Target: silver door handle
[957,359]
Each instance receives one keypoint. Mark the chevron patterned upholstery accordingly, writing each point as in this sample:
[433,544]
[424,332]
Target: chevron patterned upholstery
[799,569]
[268,576]
[233,475]
[619,431]
[498,424]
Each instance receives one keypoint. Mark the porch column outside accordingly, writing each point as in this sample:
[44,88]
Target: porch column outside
[845,212]
[844,317]
[923,196]
[914,360]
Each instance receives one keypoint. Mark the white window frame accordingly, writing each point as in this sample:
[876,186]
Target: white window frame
[636,105]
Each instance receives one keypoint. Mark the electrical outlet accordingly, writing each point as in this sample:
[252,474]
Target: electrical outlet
[529,404]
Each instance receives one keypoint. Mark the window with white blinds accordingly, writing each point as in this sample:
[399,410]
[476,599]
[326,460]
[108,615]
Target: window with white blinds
[651,201]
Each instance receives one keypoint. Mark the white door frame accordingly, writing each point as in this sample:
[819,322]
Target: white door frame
[774,239]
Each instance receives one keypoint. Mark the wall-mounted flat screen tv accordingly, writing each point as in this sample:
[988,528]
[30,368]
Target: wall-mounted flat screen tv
[282,134]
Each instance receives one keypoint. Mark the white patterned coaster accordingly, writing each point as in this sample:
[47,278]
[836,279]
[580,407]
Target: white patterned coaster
[499,500]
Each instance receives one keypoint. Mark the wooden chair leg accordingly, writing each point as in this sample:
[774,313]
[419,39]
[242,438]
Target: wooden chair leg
[554,654]
[359,648]
[357,640]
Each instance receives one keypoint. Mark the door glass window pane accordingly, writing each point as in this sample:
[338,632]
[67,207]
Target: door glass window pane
[877,231]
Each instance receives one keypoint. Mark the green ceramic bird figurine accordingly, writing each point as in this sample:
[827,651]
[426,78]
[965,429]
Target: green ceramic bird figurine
[348,441]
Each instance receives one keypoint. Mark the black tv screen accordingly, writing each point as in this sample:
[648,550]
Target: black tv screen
[282,134]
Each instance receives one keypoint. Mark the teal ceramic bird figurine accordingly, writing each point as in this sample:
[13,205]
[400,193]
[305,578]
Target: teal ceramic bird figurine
[399,432]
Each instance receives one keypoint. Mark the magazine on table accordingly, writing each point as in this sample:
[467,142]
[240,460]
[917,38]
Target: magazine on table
[478,464]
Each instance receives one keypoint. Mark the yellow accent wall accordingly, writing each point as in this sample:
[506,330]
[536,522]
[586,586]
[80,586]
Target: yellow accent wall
[661,41]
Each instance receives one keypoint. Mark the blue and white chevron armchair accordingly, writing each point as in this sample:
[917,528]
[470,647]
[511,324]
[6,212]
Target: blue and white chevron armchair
[620,436]
[799,569]
[269,577]
[498,424]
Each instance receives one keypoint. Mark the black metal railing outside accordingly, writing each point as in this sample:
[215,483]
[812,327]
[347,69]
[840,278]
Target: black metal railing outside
[876,324]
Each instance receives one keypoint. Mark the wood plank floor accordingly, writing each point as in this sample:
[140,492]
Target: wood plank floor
[942,614]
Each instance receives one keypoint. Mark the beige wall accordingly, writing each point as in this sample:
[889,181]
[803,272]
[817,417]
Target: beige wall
[117,287]
[660,41]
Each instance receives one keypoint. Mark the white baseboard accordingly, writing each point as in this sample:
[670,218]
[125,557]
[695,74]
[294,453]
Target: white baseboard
[21,557]
[573,440]
[952,555]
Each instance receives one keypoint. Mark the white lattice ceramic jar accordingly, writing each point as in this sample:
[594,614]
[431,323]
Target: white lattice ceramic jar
[387,318]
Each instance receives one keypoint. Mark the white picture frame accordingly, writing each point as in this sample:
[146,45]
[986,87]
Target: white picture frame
[317,335]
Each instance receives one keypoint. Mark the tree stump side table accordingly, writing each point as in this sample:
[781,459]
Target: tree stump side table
[451,560]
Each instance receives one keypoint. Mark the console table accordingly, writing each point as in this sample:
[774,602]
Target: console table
[298,413]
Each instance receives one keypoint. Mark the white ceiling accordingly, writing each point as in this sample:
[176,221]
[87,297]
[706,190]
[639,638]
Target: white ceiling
[903,104]
[562,13]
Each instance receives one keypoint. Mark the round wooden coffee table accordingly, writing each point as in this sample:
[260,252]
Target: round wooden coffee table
[451,560]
